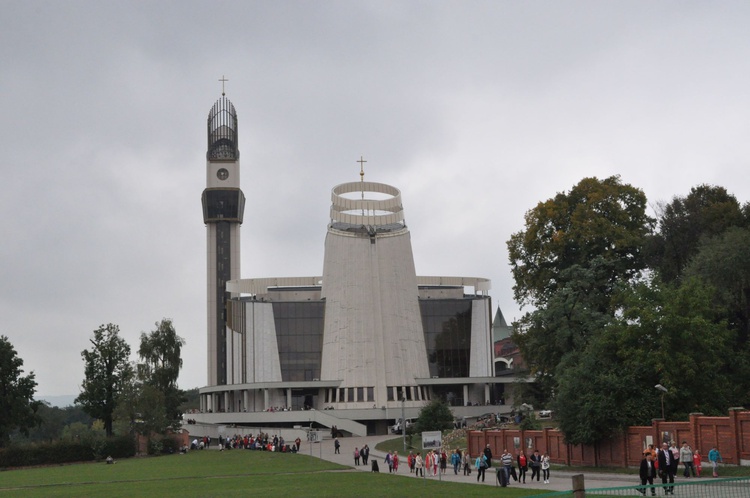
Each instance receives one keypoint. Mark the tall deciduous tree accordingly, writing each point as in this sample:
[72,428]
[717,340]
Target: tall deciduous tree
[707,211]
[575,251]
[18,410]
[107,372]
[723,262]
[668,335]
[597,218]
[160,353]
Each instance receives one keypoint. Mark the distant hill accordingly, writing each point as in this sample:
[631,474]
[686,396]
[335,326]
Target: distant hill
[58,401]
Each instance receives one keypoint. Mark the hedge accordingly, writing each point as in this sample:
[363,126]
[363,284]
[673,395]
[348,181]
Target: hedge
[66,451]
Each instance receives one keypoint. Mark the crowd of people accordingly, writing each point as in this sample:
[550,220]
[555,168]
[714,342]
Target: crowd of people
[664,463]
[262,442]
[435,463]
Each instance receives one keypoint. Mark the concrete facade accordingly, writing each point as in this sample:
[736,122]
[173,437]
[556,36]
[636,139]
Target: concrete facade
[367,342]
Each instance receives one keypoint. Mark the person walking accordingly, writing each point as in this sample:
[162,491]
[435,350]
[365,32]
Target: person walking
[481,465]
[714,457]
[507,460]
[365,454]
[647,473]
[488,455]
[456,460]
[535,462]
[697,462]
[466,459]
[545,468]
[356,456]
[418,463]
[686,457]
[523,466]
[665,459]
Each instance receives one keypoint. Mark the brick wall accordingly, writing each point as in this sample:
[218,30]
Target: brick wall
[730,435]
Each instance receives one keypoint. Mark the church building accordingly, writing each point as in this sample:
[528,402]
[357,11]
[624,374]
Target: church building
[363,343]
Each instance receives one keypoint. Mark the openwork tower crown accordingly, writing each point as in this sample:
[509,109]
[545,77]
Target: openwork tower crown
[222,132]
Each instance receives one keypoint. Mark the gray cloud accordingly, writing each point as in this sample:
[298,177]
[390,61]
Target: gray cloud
[476,111]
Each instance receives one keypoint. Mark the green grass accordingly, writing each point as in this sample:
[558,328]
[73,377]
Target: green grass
[228,473]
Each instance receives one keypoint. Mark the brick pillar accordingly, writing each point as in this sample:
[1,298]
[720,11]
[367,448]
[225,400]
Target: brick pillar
[734,431]
[694,420]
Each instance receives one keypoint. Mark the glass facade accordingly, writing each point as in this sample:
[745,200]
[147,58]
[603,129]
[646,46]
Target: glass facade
[299,333]
[447,334]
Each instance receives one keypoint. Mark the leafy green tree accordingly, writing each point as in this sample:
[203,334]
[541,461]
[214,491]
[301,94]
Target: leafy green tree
[160,354]
[568,321]
[51,423]
[664,334]
[597,218]
[435,416]
[107,372]
[723,263]
[80,431]
[18,410]
[141,410]
[707,211]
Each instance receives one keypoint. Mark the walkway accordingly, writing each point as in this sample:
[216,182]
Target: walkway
[559,480]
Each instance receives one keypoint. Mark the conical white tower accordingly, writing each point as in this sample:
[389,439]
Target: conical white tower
[373,337]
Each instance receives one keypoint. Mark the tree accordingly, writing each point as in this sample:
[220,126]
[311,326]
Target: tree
[142,410]
[107,372]
[723,263]
[18,410]
[597,218]
[664,334]
[576,251]
[568,321]
[707,211]
[436,416]
[161,363]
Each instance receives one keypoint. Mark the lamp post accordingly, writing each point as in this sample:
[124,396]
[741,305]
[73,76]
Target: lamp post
[664,391]
[403,419]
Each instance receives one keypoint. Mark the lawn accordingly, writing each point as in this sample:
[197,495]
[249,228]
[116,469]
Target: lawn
[228,473]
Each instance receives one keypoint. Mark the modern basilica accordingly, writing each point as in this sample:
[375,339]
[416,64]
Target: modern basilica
[359,346]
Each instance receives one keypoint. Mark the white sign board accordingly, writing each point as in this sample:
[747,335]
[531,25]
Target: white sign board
[432,440]
[315,436]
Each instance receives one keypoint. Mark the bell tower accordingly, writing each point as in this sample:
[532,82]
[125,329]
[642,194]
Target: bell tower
[223,207]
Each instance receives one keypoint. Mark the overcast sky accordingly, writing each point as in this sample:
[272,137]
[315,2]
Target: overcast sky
[475,110]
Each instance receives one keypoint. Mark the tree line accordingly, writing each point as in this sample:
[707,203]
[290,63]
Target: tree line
[622,301]
[117,395]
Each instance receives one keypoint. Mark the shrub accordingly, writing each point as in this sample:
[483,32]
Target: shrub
[66,451]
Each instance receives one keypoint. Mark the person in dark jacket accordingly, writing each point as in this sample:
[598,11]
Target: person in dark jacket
[488,454]
[647,473]
[535,462]
[666,461]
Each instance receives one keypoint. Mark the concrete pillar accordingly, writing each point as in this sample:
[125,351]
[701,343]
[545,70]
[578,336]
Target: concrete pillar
[579,488]
[245,400]
[265,399]
[227,402]
[289,397]
[486,394]
[466,394]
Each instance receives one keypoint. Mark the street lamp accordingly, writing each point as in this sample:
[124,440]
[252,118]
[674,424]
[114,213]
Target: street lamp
[403,419]
[664,391]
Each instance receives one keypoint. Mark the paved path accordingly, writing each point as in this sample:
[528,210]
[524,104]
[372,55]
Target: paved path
[559,480]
